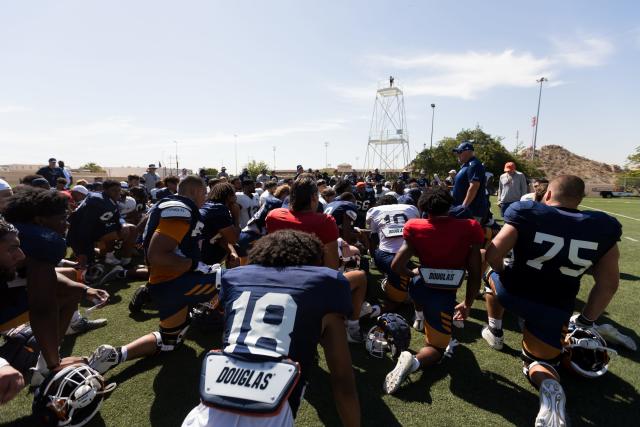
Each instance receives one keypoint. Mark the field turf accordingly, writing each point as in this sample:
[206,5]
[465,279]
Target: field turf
[478,386]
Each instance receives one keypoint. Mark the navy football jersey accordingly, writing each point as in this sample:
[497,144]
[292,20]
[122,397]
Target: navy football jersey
[180,208]
[96,216]
[257,223]
[555,247]
[277,312]
[338,209]
[215,217]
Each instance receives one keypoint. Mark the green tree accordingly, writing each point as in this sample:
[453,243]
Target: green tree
[92,167]
[211,171]
[488,149]
[634,159]
[255,168]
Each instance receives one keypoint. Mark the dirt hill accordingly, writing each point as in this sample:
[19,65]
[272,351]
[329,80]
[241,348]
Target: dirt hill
[556,160]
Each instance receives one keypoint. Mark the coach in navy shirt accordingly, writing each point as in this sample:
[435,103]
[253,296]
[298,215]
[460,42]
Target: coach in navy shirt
[469,185]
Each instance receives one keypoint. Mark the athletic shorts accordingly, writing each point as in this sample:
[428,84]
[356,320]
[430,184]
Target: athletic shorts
[174,297]
[14,308]
[544,326]
[245,242]
[397,286]
[438,306]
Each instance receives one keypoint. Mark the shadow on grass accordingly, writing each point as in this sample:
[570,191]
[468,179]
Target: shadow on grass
[629,277]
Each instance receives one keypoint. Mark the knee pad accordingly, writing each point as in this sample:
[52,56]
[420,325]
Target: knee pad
[528,362]
[170,339]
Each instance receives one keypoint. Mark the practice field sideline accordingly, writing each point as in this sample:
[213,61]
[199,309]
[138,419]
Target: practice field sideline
[478,386]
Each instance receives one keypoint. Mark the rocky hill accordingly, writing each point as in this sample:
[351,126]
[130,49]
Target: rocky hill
[556,160]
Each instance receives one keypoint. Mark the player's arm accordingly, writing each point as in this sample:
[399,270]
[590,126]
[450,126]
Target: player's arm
[474,269]
[347,229]
[229,234]
[338,356]
[43,308]
[500,246]
[330,255]
[163,243]
[471,192]
[606,274]
[401,260]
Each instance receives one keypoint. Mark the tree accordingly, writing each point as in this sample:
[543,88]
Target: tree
[488,149]
[92,167]
[634,159]
[255,168]
[211,171]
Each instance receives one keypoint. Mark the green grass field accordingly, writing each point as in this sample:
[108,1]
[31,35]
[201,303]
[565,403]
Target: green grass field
[478,385]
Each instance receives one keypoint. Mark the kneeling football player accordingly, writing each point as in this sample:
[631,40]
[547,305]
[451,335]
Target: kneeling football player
[277,309]
[446,247]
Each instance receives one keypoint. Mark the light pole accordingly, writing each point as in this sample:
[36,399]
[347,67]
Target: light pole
[535,133]
[176,142]
[274,158]
[433,113]
[326,154]
[235,143]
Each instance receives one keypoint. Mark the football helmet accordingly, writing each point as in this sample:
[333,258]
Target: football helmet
[207,316]
[93,273]
[70,397]
[391,333]
[586,353]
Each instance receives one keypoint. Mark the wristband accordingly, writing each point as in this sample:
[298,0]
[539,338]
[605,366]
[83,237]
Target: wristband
[582,320]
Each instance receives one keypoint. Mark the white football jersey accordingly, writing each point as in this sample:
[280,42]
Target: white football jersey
[248,207]
[388,221]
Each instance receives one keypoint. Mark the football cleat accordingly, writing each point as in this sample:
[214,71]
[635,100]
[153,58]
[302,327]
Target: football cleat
[140,297]
[116,273]
[104,358]
[368,310]
[494,341]
[83,325]
[448,352]
[552,403]
[418,322]
[396,377]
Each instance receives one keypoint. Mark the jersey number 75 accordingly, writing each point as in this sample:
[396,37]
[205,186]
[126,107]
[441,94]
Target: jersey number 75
[558,243]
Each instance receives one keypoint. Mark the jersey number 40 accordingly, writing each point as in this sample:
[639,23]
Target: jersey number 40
[270,321]
[557,244]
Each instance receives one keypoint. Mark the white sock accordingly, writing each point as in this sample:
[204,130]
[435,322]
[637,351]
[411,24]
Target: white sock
[123,354]
[353,324]
[415,364]
[41,364]
[495,323]
[76,316]
[419,315]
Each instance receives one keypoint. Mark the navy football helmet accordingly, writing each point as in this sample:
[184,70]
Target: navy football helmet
[391,333]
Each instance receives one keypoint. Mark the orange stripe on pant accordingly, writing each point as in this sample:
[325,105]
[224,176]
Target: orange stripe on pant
[538,348]
[16,321]
[436,338]
[196,288]
[175,320]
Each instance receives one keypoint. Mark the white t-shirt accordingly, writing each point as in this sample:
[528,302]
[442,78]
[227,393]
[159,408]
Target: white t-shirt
[263,197]
[388,221]
[248,207]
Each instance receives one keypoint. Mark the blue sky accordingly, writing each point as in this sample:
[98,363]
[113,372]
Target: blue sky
[117,82]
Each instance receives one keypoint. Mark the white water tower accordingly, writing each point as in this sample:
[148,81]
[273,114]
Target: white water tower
[388,146]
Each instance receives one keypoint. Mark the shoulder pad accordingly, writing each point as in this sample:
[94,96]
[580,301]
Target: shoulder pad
[174,209]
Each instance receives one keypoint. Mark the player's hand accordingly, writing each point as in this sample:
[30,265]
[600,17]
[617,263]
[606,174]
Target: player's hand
[98,296]
[461,311]
[68,361]
[11,382]
[233,260]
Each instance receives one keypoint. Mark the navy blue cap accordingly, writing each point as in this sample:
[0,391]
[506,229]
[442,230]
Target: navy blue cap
[464,146]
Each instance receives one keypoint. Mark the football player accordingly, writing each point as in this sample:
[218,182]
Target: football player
[446,248]
[365,200]
[387,219]
[171,187]
[40,294]
[257,227]
[553,246]
[97,219]
[248,201]
[219,234]
[296,305]
[303,216]
[177,277]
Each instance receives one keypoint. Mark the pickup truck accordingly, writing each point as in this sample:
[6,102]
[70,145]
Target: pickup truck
[607,194]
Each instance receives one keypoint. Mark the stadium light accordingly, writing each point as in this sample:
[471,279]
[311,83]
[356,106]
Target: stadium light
[535,133]
[433,113]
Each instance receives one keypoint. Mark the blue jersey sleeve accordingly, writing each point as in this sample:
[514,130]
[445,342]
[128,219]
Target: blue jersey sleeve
[338,296]
[516,214]
[42,244]
[475,171]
